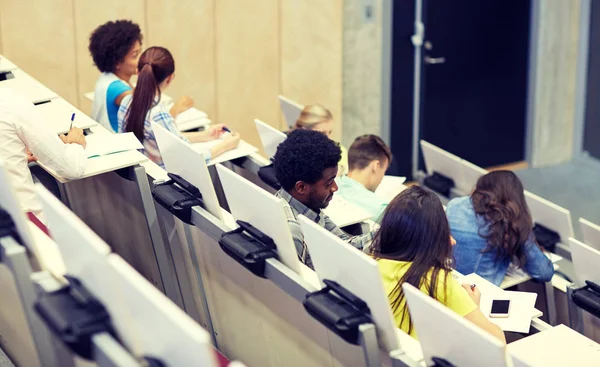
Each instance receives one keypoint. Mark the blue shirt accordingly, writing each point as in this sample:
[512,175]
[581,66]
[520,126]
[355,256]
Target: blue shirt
[158,114]
[115,89]
[469,251]
[355,193]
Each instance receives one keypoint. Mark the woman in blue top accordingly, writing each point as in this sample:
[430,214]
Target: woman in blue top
[116,48]
[493,227]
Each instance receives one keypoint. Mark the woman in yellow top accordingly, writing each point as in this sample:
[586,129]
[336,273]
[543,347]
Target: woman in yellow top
[414,245]
[318,118]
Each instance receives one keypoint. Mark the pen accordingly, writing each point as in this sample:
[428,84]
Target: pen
[226,129]
[72,119]
[473,286]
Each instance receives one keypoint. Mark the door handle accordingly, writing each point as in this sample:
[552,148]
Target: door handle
[434,60]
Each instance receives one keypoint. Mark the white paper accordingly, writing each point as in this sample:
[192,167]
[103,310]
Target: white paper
[242,150]
[191,118]
[522,306]
[344,213]
[104,144]
[389,187]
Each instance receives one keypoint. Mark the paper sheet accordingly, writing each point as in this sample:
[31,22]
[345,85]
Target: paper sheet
[242,150]
[344,213]
[389,187]
[104,144]
[191,118]
[522,306]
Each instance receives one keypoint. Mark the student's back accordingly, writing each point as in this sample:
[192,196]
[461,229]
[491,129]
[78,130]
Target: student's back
[413,245]
[368,158]
[493,228]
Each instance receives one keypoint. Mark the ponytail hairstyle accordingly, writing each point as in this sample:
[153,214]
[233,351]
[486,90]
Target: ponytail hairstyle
[156,64]
[500,200]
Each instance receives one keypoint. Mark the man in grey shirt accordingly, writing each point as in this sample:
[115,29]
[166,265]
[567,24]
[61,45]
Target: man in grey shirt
[306,166]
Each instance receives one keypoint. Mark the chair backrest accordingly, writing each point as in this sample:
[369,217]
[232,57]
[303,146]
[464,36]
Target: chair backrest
[586,262]
[269,137]
[180,158]
[446,335]
[291,110]
[252,204]
[591,233]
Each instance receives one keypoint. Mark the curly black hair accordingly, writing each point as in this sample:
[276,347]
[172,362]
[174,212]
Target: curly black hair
[110,43]
[303,156]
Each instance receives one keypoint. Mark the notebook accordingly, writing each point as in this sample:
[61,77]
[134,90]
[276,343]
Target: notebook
[103,144]
[191,118]
[242,150]
[389,187]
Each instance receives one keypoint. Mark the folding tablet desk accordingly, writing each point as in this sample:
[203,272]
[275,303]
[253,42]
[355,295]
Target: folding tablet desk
[57,113]
[35,91]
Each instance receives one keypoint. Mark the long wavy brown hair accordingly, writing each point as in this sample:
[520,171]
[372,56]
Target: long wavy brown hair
[415,229]
[500,200]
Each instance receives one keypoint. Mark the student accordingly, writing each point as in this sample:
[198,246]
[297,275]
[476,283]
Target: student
[25,137]
[318,118]
[414,245]
[368,159]
[116,48]
[306,165]
[493,227]
[156,71]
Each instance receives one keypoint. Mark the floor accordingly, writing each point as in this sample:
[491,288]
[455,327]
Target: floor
[574,185]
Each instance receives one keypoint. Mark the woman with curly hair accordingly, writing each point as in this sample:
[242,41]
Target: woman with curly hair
[493,227]
[116,48]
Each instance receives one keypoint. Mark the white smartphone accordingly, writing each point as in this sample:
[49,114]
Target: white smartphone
[500,308]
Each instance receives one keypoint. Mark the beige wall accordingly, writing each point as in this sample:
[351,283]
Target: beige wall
[233,57]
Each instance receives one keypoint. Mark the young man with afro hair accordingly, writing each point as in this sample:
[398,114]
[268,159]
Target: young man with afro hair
[306,166]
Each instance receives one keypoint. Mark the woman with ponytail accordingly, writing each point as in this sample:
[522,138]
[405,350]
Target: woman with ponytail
[493,228]
[156,71]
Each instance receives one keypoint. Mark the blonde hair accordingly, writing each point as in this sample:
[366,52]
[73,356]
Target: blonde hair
[311,116]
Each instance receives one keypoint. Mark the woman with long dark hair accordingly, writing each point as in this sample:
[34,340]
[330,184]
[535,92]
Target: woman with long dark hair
[414,245]
[156,71]
[493,227]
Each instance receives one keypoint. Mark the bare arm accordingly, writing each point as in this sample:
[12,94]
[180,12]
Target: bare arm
[121,96]
[478,318]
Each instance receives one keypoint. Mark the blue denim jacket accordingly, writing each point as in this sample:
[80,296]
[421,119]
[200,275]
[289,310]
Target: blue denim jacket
[469,252]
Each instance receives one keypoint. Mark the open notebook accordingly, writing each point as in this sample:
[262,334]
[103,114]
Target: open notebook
[103,144]
[191,118]
[242,150]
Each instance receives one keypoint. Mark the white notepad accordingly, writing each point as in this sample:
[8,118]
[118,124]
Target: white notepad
[103,144]
[191,118]
[522,306]
[389,187]
[242,150]
[344,213]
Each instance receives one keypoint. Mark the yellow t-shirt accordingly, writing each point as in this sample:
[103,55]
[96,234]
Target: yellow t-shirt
[456,297]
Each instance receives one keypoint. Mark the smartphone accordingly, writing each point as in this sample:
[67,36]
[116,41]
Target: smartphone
[500,308]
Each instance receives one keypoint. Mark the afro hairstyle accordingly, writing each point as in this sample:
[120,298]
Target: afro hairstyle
[303,156]
[110,43]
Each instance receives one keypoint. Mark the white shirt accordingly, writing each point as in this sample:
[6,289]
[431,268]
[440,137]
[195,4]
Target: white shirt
[21,127]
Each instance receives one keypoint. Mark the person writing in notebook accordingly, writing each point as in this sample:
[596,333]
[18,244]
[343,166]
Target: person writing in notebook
[115,48]
[493,227]
[414,245]
[306,165]
[26,137]
[156,71]
[368,158]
